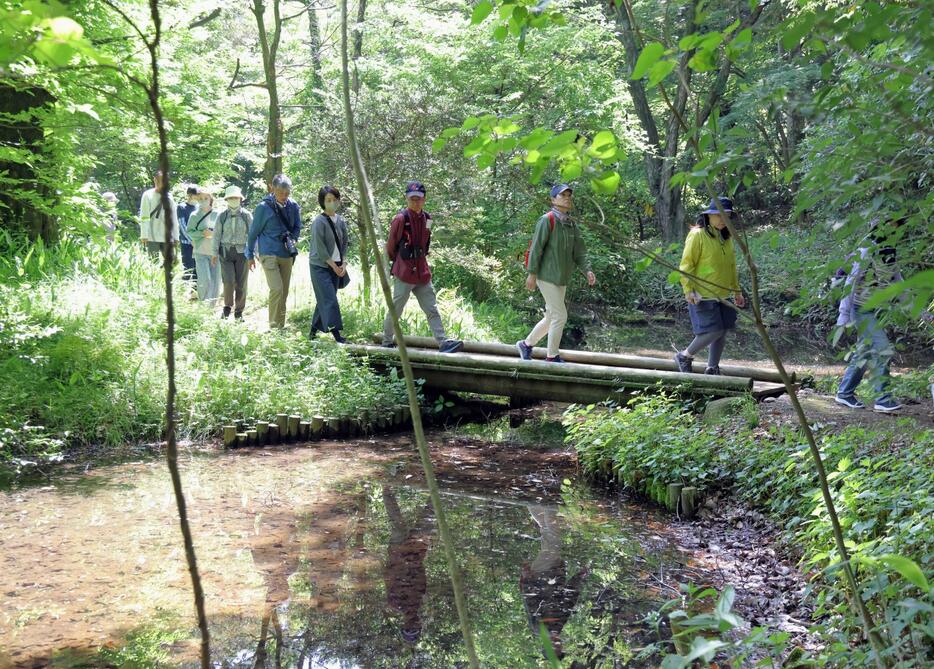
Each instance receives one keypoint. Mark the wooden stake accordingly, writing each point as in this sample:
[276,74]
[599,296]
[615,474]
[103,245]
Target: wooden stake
[317,427]
[282,421]
[293,423]
[230,436]
[688,502]
[262,432]
[674,494]
[334,426]
[242,439]
[273,433]
[304,428]
[251,437]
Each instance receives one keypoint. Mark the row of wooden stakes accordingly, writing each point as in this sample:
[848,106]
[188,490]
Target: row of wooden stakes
[289,428]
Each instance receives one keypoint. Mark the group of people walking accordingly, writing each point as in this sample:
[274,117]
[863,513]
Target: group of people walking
[220,248]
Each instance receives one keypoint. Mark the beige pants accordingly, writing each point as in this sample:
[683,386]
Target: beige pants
[556,315]
[278,275]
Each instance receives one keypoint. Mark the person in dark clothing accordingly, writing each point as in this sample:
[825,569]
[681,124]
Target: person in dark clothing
[404,574]
[407,248]
[327,259]
[547,592]
[183,212]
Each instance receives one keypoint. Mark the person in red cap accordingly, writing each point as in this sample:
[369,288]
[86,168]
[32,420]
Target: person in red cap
[407,248]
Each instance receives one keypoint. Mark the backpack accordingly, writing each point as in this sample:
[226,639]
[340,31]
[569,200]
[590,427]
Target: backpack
[551,228]
[408,249]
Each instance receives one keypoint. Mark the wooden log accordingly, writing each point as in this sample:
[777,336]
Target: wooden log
[334,426]
[317,427]
[366,422]
[242,439]
[262,432]
[273,433]
[230,436]
[674,495]
[356,426]
[637,378]
[251,437]
[406,414]
[599,358]
[345,425]
[688,502]
[282,422]
[293,423]
[304,428]
[397,416]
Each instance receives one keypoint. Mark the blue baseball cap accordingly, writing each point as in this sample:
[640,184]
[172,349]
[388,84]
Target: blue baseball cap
[414,188]
[557,189]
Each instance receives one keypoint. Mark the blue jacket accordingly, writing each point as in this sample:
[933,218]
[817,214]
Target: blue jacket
[183,212]
[267,229]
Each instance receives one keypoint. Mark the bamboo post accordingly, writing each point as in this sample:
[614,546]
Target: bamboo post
[273,433]
[251,437]
[674,494]
[688,502]
[282,421]
[262,432]
[230,436]
[317,427]
[293,423]
[242,439]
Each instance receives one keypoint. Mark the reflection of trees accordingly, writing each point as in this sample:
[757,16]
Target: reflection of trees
[329,601]
[547,592]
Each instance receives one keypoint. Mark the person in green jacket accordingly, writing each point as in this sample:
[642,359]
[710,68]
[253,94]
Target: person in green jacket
[709,278]
[557,249]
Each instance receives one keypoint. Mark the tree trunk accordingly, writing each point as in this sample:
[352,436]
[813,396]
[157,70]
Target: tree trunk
[21,127]
[269,46]
[314,46]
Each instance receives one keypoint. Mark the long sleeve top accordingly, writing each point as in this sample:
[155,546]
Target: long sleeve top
[269,228]
[324,246]
[231,231]
[711,258]
[556,251]
[152,217]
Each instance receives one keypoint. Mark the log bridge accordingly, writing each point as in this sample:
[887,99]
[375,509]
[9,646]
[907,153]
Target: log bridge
[585,378]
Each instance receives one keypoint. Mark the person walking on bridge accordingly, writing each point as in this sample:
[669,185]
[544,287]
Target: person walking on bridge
[407,248]
[556,250]
[709,277]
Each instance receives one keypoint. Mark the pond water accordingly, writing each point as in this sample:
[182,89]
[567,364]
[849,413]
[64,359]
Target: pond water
[327,555]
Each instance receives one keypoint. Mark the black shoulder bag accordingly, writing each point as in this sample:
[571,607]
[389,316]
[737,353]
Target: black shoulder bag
[287,240]
[342,281]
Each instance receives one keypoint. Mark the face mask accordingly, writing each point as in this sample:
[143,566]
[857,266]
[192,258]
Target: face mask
[233,205]
[332,206]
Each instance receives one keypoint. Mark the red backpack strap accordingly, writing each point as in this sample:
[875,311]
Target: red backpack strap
[551,220]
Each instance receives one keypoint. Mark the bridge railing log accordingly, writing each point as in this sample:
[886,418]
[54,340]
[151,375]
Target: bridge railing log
[599,358]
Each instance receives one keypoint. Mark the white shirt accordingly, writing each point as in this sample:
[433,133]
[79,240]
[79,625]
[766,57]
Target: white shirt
[152,218]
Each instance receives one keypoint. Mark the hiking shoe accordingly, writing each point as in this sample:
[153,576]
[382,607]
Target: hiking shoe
[712,371]
[388,344]
[238,315]
[451,346]
[557,358]
[225,313]
[849,401]
[338,337]
[525,351]
[684,362]
[887,405]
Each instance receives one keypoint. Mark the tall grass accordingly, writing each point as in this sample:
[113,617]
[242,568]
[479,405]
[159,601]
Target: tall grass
[82,353]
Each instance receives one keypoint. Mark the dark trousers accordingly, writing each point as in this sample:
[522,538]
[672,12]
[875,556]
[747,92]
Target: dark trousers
[327,314]
[190,273]
[234,275]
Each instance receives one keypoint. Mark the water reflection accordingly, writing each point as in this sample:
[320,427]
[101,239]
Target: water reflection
[547,592]
[404,575]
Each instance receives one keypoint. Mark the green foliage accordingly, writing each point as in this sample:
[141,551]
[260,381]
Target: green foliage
[82,356]
[890,533]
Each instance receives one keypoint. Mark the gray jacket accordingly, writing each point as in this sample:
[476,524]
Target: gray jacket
[230,231]
[323,241]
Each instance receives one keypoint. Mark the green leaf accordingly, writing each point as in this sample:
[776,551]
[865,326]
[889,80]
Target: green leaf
[571,170]
[659,71]
[481,11]
[792,35]
[606,184]
[649,56]
[908,569]
[674,278]
[556,144]
[603,146]
[438,144]
[705,648]
[499,34]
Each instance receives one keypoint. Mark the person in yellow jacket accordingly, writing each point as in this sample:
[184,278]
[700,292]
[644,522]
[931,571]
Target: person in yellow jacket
[710,277]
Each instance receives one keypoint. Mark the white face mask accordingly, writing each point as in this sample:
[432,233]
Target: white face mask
[233,204]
